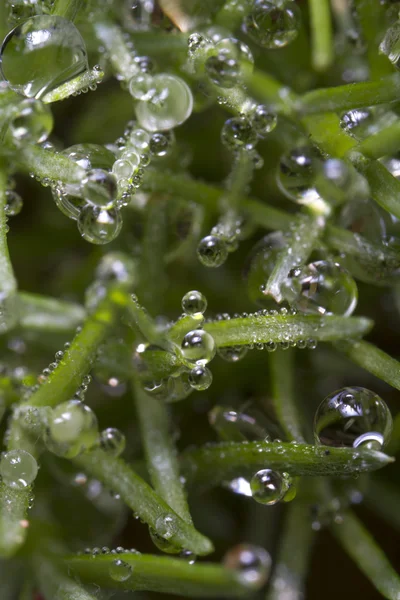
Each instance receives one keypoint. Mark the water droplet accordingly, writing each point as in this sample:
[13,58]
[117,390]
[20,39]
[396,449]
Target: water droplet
[139,139]
[160,143]
[212,251]
[231,61]
[120,570]
[99,226]
[198,346]
[273,24]
[14,203]
[170,106]
[72,429]
[200,378]
[31,121]
[323,288]
[100,188]
[296,175]
[177,389]
[338,182]
[165,526]
[268,487]
[252,562]
[188,556]
[41,54]
[263,120]
[18,469]
[232,353]
[259,266]
[162,544]
[351,417]
[142,87]
[355,120]
[194,303]
[112,441]
[390,44]
[238,132]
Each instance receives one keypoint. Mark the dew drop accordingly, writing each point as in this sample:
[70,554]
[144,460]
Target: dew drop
[238,132]
[14,203]
[251,562]
[194,303]
[273,24]
[72,429]
[112,441]
[120,570]
[100,188]
[232,353]
[198,346]
[170,106]
[259,266]
[99,226]
[18,469]
[296,177]
[268,487]
[31,121]
[200,378]
[231,61]
[165,526]
[212,251]
[263,120]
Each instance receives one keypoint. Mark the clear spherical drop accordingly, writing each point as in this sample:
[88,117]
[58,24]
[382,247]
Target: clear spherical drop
[238,132]
[263,120]
[141,87]
[112,441]
[72,429]
[356,121]
[200,378]
[296,176]
[170,106]
[251,562]
[100,188]
[123,169]
[42,53]
[165,526]
[177,389]
[120,570]
[32,121]
[194,303]
[18,469]
[390,44]
[233,425]
[14,203]
[117,267]
[322,288]
[160,144]
[132,156]
[232,353]
[99,226]
[139,139]
[198,346]
[268,487]
[162,544]
[338,182]
[273,24]
[259,266]
[212,251]
[353,417]
[230,63]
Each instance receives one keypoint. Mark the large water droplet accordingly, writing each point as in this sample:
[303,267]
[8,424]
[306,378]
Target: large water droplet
[296,177]
[268,487]
[337,182]
[32,121]
[198,346]
[259,266]
[238,132]
[72,429]
[194,303]
[231,62]
[112,441]
[120,570]
[212,251]
[42,53]
[18,469]
[170,106]
[390,44]
[232,353]
[200,378]
[99,226]
[273,24]
[351,417]
[252,563]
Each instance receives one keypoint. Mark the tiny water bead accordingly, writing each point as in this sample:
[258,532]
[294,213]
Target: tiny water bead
[263,120]
[268,487]
[273,24]
[212,251]
[112,441]
[260,264]
[14,203]
[18,469]
[170,106]
[232,353]
[72,429]
[200,378]
[238,132]
[323,288]
[100,188]
[41,54]
[296,176]
[230,63]
[352,417]
[99,226]
[194,303]
[120,570]
[198,346]
[253,563]
[160,143]
[31,121]
[165,526]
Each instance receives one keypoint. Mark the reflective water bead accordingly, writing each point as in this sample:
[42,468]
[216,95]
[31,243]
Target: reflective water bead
[252,563]
[177,389]
[41,54]
[139,139]
[112,441]
[390,44]
[354,119]
[171,105]
[268,487]
[120,570]
[212,251]
[165,526]
[32,121]
[238,132]
[260,264]
[232,353]
[273,24]
[198,346]
[162,544]
[160,143]
[133,157]
[264,121]
[200,378]
[232,425]
[296,176]
[232,62]
[18,469]
[337,182]
[14,203]
[123,169]
[117,266]
[351,417]
[141,87]
[100,188]
[367,218]
[194,303]
[323,288]
[72,429]
[99,226]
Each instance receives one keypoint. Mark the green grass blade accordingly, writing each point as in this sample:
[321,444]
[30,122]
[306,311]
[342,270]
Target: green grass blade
[321,34]
[42,313]
[13,524]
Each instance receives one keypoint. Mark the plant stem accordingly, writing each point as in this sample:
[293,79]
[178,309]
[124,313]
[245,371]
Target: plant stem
[280,328]
[362,548]
[43,313]
[56,584]
[321,34]
[372,359]
[383,143]
[161,574]
[328,135]
[67,8]
[121,57]
[140,497]
[8,283]
[290,570]
[144,322]
[160,452]
[282,372]
[384,499]
[212,464]
[13,523]
[48,165]
[279,97]
[372,18]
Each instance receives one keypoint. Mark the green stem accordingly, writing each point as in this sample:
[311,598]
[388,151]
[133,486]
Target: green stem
[48,165]
[139,496]
[55,584]
[280,328]
[362,548]
[372,359]
[290,571]
[156,43]
[42,313]
[121,57]
[304,232]
[383,143]
[321,34]
[214,463]
[160,452]
[8,283]
[372,18]
[13,524]
[161,574]
[279,97]
[328,135]
[67,8]
[394,444]
[384,499]
[144,322]
[282,377]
